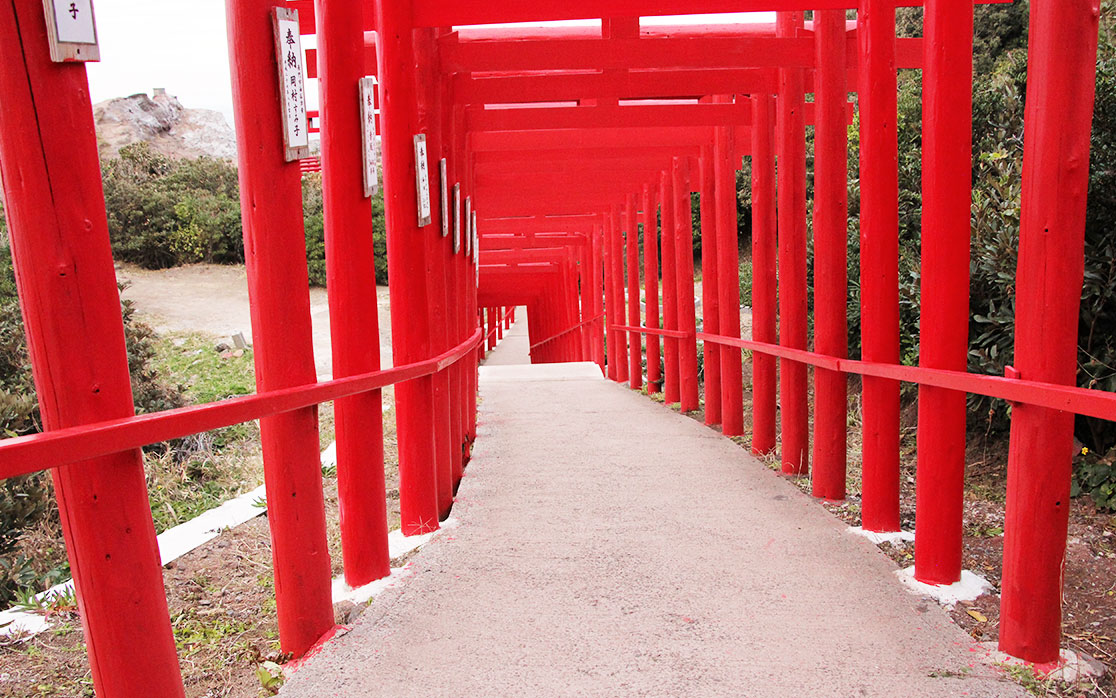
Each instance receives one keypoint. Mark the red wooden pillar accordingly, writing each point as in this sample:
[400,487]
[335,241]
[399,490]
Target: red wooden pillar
[616,259]
[791,146]
[710,301]
[584,301]
[944,334]
[830,254]
[490,327]
[455,287]
[439,252]
[684,259]
[607,253]
[763,272]
[500,322]
[407,263]
[635,354]
[651,287]
[67,289]
[671,384]
[278,287]
[1062,52]
[879,260]
[728,279]
[354,326]
[597,291]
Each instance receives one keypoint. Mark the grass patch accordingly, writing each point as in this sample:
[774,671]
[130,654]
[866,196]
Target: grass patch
[199,472]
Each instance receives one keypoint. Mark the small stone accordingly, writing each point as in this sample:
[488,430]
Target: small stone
[221,348]
[238,353]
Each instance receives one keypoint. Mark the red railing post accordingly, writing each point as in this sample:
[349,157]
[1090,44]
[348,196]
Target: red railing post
[616,259]
[651,287]
[728,278]
[947,98]
[791,146]
[684,259]
[278,287]
[407,264]
[763,272]
[830,254]
[500,322]
[354,321]
[879,260]
[635,352]
[671,383]
[75,338]
[1062,52]
[710,299]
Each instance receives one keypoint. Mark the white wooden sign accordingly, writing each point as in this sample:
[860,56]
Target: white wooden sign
[456,218]
[422,180]
[368,135]
[292,87]
[445,197]
[476,239]
[71,31]
[468,230]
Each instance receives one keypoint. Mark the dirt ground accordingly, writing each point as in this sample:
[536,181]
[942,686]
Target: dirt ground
[214,298]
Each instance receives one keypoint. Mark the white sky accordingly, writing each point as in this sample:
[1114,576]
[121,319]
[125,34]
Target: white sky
[183,48]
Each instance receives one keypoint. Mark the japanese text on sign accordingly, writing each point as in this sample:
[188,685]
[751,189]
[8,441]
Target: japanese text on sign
[445,197]
[468,231]
[422,180]
[456,218]
[368,134]
[296,132]
[73,21]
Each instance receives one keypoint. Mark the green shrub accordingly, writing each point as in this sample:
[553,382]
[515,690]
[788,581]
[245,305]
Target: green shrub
[314,224]
[26,500]
[746,282]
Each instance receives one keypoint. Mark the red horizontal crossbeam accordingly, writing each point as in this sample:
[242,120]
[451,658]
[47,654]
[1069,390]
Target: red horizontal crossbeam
[438,13]
[628,54]
[27,454]
[610,116]
[633,84]
[501,141]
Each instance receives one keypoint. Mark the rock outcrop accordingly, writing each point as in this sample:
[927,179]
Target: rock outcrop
[162,121]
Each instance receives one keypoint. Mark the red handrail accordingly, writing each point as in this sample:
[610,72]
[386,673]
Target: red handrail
[27,454]
[1084,401]
[676,334]
[566,331]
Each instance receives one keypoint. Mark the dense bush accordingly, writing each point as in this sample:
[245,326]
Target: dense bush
[165,212]
[315,232]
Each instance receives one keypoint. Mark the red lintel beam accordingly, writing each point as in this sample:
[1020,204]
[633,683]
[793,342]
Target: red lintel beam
[557,155]
[627,54]
[640,84]
[635,161]
[438,13]
[526,139]
[608,116]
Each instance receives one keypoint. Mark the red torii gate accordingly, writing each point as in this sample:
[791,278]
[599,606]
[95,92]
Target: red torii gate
[52,188]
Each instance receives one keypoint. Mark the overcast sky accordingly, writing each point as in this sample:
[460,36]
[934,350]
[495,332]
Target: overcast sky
[182,47]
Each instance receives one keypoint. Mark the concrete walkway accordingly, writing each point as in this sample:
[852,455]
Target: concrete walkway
[608,546]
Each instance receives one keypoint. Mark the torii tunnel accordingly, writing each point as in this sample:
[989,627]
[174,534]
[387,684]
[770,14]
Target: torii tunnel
[561,162]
